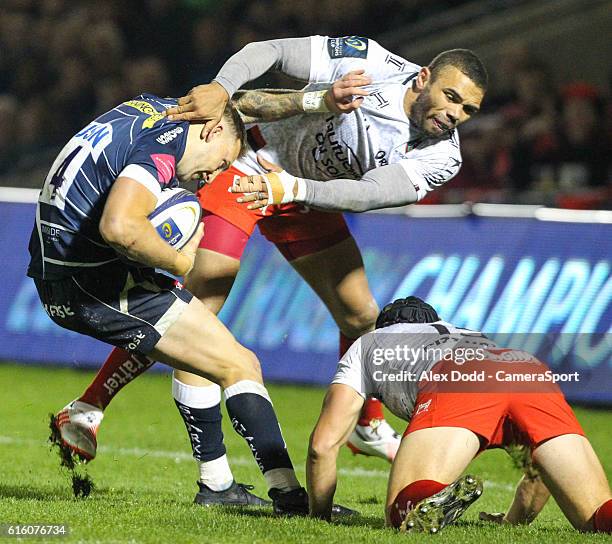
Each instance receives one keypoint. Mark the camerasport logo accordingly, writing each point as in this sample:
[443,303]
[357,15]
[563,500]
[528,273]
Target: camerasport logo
[169,135]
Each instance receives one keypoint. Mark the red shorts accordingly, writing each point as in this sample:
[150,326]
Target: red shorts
[526,414]
[295,229]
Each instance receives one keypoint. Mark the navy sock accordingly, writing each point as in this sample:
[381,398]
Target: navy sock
[204,429]
[253,418]
[200,408]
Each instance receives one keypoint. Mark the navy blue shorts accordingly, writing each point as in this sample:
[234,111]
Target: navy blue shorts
[124,306]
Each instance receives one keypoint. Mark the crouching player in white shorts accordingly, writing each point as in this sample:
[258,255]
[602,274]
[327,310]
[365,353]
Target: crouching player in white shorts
[94,255]
[414,363]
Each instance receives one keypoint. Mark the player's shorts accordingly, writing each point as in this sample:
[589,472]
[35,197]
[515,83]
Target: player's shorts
[501,414]
[124,306]
[296,230]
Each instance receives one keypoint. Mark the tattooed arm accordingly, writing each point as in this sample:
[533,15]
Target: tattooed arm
[263,106]
[266,105]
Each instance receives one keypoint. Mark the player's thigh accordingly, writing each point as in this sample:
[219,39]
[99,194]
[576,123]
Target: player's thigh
[337,275]
[212,278]
[573,474]
[211,281]
[199,343]
[437,453]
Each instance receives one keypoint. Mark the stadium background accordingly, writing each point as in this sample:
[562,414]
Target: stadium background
[538,276]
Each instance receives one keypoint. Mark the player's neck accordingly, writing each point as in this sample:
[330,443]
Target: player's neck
[409,99]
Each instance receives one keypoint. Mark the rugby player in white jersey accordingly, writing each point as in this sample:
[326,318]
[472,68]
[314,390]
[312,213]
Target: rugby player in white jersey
[419,365]
[398,145]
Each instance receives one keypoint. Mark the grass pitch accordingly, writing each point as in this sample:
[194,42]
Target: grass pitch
[145,477]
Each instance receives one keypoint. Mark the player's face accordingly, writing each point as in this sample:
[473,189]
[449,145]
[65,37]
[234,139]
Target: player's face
[206,160]
[443,104]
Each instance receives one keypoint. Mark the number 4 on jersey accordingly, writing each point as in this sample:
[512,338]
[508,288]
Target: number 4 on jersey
[59,175]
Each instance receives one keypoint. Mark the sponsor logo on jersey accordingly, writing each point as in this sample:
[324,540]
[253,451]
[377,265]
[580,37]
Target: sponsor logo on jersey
[145,107]
[399,63]
[379,98]
[165,166]
[169,135]
[333,156]
[348,46]
[423,407]
[58,310]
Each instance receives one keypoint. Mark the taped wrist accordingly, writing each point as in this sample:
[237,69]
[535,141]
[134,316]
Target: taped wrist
[280,187]
[314,102]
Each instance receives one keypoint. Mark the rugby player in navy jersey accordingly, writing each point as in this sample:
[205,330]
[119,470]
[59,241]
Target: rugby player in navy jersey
[91,227]
[397,142]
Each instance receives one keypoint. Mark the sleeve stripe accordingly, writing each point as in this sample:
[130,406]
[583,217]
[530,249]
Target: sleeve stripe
[142,176]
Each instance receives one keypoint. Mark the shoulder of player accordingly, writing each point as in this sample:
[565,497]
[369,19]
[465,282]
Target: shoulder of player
[439,151]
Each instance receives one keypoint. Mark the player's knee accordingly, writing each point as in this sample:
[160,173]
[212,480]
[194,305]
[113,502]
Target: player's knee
[319,446]
[360,320]
[244,366]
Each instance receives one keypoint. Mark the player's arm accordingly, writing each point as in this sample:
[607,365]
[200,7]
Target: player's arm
[338,418]
[392,185]
[262,106]
[530,497]
[207,102]
[124,225]
[384,187]
[291,56]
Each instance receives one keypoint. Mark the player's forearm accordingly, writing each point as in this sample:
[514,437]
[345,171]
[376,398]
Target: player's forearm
[384,187]
[290,56]
[529,499]
[321,481]
[265,106]
[136,239]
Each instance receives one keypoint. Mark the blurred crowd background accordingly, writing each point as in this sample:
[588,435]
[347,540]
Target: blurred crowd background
[62,62]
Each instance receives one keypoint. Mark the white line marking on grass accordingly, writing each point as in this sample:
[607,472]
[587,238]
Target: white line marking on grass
[241,461]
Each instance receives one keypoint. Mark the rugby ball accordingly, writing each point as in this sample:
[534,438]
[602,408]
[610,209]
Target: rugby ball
[176,216]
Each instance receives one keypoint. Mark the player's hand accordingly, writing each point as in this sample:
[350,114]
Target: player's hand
[346,94]
[203,103]
[493,517]
[276,187]
[188,252]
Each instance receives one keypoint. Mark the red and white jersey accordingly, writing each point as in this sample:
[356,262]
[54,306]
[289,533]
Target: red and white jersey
[388,363]
[325,146]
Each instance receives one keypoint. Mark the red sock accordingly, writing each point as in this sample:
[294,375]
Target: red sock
[372,409]
[119,369]
[411,495]
[602,520]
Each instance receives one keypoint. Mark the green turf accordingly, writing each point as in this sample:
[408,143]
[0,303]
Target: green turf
[146,480]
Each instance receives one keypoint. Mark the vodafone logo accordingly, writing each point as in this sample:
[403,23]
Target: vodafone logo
[165,166]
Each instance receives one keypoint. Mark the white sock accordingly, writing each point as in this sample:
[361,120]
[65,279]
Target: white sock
[282,478]
[216,474]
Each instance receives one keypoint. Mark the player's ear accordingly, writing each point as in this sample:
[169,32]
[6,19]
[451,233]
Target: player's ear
[423,77]
[215,132]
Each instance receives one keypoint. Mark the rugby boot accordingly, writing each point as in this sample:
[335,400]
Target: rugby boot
[235,495]
[378,439]
[77,425]
[295,503]
[434,513]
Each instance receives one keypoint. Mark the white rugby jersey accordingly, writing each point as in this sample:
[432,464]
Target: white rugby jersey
[325,146]
[393,376]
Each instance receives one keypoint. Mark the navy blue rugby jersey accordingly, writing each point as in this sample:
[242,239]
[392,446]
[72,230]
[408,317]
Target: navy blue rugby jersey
[133,140]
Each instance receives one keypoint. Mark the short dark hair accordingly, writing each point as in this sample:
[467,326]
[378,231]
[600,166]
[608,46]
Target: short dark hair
[236,126]
[465,61]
